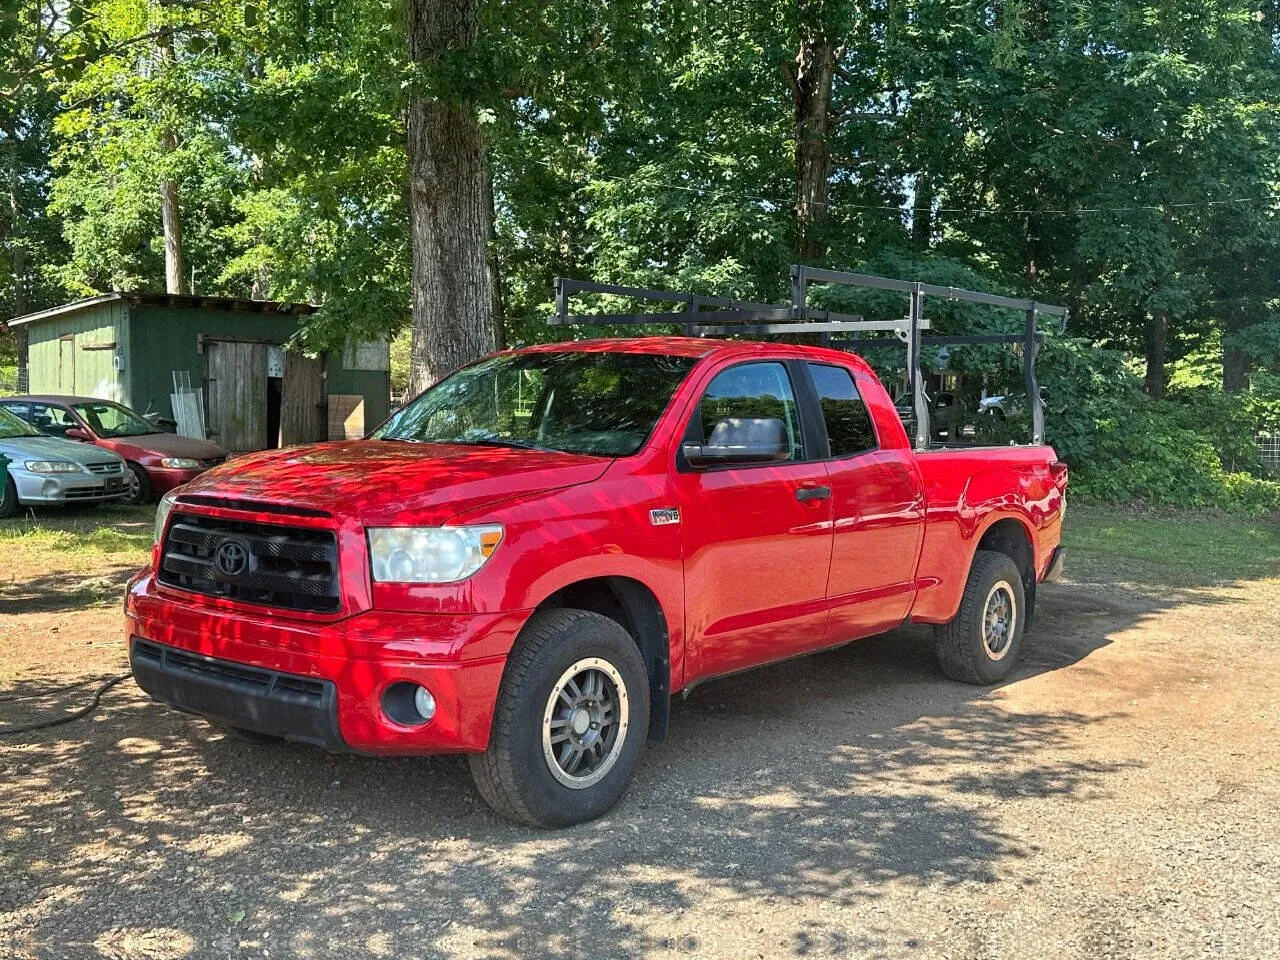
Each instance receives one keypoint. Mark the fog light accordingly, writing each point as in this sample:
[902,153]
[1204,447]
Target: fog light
[408,704]
[424,703]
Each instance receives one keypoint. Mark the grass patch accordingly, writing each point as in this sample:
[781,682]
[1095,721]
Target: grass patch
[1179,549]
[77,537]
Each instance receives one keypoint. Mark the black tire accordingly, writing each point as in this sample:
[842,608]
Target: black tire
[138,484]
[8,495]
[514,776]
[963,651]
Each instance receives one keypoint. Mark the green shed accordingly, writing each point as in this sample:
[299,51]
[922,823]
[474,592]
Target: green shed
[140,348]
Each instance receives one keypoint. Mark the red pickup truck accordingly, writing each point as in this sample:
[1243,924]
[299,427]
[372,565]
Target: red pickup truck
[530,559]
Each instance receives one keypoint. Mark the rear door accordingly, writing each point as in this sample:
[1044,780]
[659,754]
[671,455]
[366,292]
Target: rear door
[756,539]
[878,509]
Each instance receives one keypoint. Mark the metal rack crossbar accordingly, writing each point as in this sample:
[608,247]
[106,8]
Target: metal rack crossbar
[701,315]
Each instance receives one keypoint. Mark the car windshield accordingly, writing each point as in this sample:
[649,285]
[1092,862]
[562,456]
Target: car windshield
[108,419]
[11,427]
[605,404]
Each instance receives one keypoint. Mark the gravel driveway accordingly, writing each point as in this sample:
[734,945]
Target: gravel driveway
[1117,797]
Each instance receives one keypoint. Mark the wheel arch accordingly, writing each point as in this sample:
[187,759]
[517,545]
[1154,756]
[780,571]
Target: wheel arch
[635,607]
[1012,536]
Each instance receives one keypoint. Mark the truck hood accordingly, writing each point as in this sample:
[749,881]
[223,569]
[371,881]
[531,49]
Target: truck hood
[382,482]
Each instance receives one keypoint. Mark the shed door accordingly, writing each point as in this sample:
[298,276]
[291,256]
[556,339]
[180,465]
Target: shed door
[236,394]
[67,364]
[302,410]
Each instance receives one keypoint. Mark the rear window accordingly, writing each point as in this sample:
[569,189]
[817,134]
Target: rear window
[849,427]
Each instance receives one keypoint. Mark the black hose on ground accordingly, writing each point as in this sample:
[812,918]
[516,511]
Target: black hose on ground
[58,721]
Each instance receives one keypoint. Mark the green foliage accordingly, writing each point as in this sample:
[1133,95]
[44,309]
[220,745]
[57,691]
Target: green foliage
[1198,450]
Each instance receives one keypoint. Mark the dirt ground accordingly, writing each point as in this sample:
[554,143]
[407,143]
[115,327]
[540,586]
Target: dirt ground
[1116,797]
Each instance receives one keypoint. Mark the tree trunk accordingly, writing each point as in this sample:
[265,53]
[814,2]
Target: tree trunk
[449,211]
[175,267]
[17,258]
[810,80]
[1235,363]
[922,213]
[494,266]
[1157,338]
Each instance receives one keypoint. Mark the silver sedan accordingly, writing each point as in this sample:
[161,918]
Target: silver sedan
[46,470]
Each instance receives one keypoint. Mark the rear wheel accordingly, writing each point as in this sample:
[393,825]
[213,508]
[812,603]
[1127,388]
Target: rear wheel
[981,644]
[571,721]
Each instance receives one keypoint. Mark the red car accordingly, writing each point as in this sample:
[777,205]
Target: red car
[157,461]
[527,562]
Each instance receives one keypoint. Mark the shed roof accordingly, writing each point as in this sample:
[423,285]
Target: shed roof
[169,300]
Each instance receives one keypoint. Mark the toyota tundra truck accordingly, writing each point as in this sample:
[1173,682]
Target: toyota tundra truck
[527,562]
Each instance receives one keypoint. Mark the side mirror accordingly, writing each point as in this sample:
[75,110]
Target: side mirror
[741,441]
[77,433]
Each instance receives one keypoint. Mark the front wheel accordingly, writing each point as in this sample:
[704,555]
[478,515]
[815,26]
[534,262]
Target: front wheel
[980,645]
[8,494]
[138,485]
[571,721]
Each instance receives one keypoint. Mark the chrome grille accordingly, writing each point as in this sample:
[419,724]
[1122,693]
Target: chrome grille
[106,466]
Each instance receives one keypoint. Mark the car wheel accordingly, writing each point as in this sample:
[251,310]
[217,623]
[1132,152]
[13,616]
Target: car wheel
[139,485]
[981,644]
[8,496]
[571,721]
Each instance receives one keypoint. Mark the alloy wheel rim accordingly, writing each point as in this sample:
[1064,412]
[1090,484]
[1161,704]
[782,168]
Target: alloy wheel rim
[135,487]
[999,619]
[585,723]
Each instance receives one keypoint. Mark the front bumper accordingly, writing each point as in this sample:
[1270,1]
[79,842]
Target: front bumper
[164,479]
[295,708]
[67,487]
[458,657]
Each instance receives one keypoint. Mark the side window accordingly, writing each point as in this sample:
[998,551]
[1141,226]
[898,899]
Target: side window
[752,390]
[849,426]
[53,421]
[18,410]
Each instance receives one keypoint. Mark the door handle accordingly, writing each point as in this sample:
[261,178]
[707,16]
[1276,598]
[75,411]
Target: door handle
[804,494]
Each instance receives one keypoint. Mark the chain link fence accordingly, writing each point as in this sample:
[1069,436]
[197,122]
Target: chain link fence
[11,381]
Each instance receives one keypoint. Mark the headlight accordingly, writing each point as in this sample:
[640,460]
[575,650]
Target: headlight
[431,554]
[52,466]
[179,463]
[163,510]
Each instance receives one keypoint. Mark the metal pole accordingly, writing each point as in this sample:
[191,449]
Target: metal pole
[918,401]
[562,301]
[1029,350]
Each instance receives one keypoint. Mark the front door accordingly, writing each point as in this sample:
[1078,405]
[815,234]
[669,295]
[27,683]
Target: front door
[67,364]
[302,410]
[878,505]
[236,394]
[756,539]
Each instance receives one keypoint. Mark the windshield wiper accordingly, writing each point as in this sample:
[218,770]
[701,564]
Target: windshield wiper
[500,442]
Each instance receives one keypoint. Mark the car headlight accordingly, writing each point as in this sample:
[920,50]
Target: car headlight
[431,554]
[163,510]
[179,463]
[52,466]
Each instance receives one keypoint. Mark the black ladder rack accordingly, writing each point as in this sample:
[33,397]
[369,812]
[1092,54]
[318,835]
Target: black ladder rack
[718,316]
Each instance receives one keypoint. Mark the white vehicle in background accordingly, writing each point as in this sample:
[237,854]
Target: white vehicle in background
[47,471]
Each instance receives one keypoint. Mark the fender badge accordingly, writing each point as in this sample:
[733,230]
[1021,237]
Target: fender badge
[665,516]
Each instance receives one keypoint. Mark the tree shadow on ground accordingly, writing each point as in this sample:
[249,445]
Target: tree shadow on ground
[828,779]
[65,592]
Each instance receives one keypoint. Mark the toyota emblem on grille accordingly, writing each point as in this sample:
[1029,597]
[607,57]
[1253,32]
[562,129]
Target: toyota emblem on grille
[231,558]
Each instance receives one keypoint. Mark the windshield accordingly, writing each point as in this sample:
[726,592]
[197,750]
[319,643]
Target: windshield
[595,403]
[112,420]
[11,427]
